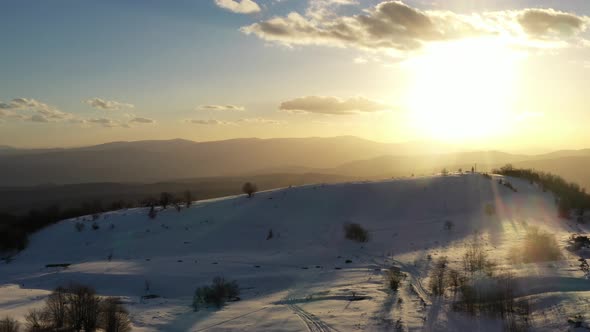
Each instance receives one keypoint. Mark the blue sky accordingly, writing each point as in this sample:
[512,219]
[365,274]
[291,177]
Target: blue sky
[168,58]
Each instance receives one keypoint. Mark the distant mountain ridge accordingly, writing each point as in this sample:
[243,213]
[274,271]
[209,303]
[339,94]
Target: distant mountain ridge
[164,160]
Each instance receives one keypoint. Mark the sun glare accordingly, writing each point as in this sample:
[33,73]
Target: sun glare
[462,90]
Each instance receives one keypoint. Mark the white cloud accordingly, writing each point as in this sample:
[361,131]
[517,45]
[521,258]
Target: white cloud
[396,26]
[333,105]
[239,6]
[221,108]
[107,105]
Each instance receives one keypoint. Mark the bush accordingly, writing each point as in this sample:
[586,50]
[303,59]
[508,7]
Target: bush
[79,226]
[356,232]
[394,278]
[539,246]
[217,294]
[153,213]
[113,316]
[476,259]
[95,226]
[490,209]
[449,225]
[8,324]
[437,282]
[579,241]
[249,188]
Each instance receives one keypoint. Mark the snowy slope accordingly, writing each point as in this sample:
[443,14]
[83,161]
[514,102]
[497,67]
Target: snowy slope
[299,280]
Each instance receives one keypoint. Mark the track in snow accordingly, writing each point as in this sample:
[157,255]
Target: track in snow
[313,323]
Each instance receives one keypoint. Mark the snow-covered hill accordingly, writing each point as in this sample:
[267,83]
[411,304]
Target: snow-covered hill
[304,277]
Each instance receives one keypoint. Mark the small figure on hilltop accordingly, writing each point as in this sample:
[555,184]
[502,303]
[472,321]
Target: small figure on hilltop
[249,188]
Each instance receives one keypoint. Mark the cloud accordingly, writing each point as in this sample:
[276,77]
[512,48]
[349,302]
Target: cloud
[141,120]
[333,105]
[239,6]
[107,105]
[210,122]
[261,121]
[108,123]
[548,22]
[394,25]
[221,108]
[39,118]
[42,111]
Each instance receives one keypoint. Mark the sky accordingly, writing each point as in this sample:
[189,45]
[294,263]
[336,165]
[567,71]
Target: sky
[497,74]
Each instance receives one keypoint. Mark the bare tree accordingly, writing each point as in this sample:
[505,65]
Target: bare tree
[56,306]
[249,188]
[8,324]
[83,308]
[165,199]
[37,320]
[188,198]
[113,317]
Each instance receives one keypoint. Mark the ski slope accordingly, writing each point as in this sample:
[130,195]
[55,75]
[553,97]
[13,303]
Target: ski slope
[299,280]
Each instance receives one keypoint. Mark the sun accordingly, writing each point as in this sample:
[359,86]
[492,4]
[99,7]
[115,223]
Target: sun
[462,90]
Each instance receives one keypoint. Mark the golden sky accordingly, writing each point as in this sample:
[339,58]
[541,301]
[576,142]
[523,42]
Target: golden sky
[504,74]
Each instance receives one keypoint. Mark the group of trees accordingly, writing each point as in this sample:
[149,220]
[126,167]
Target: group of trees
[75,308]
[570,196]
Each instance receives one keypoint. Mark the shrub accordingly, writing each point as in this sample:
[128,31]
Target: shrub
[95,226]
[249,188]
[579,241]
[490,209]
[394,278]
[449,225]
[113,316]
[217,294]
[539,246]
[475,259]
[437,281]
[8,324]
[153,213]
[79,226]
[356,232]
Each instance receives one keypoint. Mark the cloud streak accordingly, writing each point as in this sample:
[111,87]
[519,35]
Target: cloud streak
[221,108]
[333,105]
[107,105]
